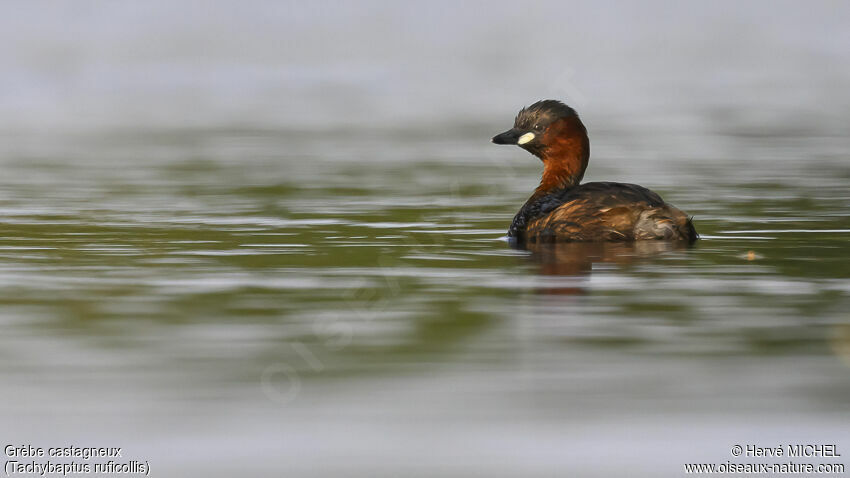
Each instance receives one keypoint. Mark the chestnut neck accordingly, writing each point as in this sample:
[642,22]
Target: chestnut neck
[565,153]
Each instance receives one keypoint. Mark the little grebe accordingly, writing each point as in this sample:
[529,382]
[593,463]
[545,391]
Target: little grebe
[561,209]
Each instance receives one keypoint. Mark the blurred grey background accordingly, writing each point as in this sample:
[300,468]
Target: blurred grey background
[82,64]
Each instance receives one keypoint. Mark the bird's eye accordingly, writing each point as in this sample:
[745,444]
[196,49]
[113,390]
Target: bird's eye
[537,127]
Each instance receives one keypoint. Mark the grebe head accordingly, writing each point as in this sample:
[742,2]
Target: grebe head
[553,132]
[533,122]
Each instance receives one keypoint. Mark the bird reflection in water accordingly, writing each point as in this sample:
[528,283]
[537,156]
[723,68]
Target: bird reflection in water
[577,259]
